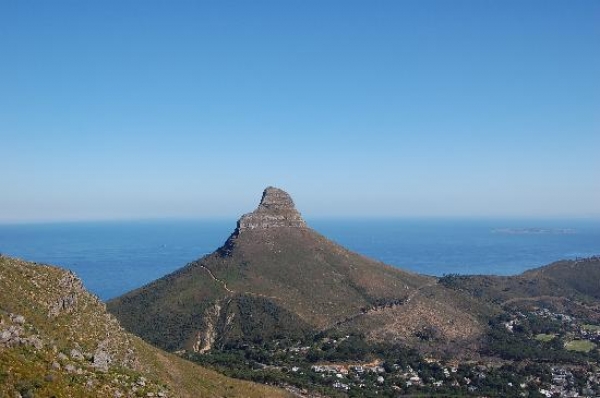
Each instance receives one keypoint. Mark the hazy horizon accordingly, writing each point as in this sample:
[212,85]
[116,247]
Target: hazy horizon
[505,221]
[151,110]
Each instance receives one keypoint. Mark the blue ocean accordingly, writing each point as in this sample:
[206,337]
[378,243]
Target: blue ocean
[115,257]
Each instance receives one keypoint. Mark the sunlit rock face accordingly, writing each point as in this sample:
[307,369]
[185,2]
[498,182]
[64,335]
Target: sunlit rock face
[276,210]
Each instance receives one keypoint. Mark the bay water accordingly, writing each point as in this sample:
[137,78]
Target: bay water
[117,256]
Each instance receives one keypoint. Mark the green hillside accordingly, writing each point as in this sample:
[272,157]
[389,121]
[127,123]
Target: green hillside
[570,286]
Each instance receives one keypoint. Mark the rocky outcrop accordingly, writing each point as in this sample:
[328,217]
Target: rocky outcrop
[276,210]
[205,339]
[13,334]
[102,359]
[71,287]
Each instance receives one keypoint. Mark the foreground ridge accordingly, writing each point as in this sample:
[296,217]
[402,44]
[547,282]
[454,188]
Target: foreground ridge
[57,340]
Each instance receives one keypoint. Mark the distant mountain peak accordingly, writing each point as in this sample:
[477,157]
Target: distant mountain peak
[275,277]
[276,210]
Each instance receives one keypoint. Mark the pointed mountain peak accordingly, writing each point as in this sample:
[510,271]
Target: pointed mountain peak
[276,210]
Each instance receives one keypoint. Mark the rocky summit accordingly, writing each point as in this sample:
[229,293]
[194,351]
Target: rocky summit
[276,210]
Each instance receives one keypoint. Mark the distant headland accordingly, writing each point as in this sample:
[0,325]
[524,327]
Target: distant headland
[534,231]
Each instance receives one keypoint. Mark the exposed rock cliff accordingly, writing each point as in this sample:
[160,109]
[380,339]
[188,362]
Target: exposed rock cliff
[276,210]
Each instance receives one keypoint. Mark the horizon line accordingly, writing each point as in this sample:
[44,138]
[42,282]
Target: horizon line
[356,217]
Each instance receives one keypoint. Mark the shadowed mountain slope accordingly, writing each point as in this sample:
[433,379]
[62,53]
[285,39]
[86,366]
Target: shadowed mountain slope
[57,340]
[277,278]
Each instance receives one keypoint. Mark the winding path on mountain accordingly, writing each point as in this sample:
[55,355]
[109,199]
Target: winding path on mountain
[222,282]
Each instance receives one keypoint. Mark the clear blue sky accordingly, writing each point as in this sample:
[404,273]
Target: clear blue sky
[135,109]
